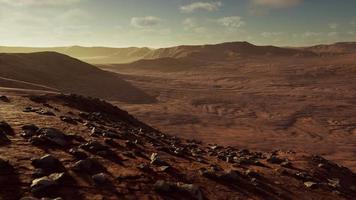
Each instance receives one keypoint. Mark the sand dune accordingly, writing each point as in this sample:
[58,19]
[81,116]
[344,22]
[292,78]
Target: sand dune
[53,71]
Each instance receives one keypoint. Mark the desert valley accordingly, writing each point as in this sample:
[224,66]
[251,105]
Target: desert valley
[293,101]
[177,100]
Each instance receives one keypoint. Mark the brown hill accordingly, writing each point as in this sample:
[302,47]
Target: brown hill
[165,64]
[65,74]
[337,48]
[71,147]
[224,51]
[94,55]
[211,53]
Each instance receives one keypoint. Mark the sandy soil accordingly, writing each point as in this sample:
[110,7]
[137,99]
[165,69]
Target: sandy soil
[304,104]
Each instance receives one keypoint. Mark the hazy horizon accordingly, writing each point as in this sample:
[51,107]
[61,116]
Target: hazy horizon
[158,23]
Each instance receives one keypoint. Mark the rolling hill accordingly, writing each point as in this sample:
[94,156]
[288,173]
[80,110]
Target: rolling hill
[214,52]
[57,72]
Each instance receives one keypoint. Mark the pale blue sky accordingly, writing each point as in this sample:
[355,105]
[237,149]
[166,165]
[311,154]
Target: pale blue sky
[161,23]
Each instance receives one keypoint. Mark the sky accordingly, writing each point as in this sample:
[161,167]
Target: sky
[163,23]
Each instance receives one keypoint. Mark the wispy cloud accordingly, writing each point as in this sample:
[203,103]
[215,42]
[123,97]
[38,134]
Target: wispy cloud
[190,24]
[262,7]
[208,6]
[231,22]
[333,34]
[271,34]
[38,2]
[353,23]
[275,3]
[308,34]
[333,25]
[145,22]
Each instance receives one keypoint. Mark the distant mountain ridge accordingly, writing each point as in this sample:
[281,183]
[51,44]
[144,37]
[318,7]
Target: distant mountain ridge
[337,48]
[210,52]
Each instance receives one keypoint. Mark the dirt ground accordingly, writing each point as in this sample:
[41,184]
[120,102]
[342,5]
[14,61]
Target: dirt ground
[304,104]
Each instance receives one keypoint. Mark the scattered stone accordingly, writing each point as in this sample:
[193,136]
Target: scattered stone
[166,187]
[5,128]
[251,173]
[4,99]
[275,160]
[4,139]
[30,109]
[45,112]
[54,136]
[58,177]
[231,175]
[69,120]
[335,183]
[101,179]
[48,163]
[88,165]
[78,154]
[111,134]
[155,160]
[286,164]
[303,176]
[163,168]
[29,130]
[4,166]
[94,147]
[144,167]
[310,184]
[41,186]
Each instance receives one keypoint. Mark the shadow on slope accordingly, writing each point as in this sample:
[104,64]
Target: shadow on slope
[69,75]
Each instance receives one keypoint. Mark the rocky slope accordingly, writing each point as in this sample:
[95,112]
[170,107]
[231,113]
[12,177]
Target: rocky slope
[57,72]
[71,147]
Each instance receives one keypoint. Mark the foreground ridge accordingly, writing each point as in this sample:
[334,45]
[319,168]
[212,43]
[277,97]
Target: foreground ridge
[74,147]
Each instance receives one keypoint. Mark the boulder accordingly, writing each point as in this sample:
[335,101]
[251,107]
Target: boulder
[4,99]
[155,160]
[5,128]
[274,159]
[310,184]
[29,130]
[101,179]
[78,154]
[48,163]
[89,166]
[4,166]
[54,136]
[167,187]
[41,186]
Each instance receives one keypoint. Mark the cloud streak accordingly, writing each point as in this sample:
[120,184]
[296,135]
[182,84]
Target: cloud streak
[275,4]
[145,22]
[207,6]
[231,22]
[39,2]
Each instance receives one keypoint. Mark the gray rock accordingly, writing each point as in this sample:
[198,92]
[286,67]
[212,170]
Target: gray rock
[166,187]
[101,179]
[58,177]
[29,130]
[275,160]
[4,165]
[5,128]
[47,162]
[54,135]
[310,184]
[88,165]
[155,160]
[78,153]
[41,185]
